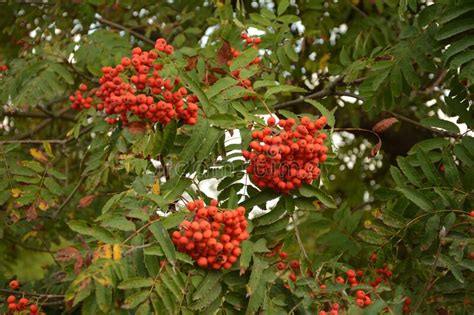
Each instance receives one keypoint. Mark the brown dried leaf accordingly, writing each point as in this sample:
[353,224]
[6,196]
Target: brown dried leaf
[384,124]
[86,201]
[31,213]
[137,127]
[192,62]
[224,54]
[218,70]
[210,79]
[71,253]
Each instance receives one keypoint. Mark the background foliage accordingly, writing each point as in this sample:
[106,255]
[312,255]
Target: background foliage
[72,188]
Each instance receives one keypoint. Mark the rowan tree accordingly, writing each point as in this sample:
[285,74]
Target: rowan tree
[236,157]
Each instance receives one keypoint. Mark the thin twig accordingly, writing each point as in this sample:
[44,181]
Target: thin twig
[31,141]
[37,115]
[37,295]
[41,125]
[298,238]
[443,133]
[165,169]
[357,9]
[26,246]
[429,283]
[126,29]
[360,130]
[326,91]
[66,201]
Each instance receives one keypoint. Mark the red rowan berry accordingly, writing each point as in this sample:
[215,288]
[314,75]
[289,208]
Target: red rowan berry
[283,255]
[281,265]
[34,308]
[294,264]
[11,299]
[14,284]
[360,302]
[292,277]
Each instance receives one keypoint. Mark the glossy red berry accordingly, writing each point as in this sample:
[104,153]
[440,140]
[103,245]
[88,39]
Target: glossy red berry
[292,277]
[34,308]
[11,299]
[281,265]
[14,284]
[23,301]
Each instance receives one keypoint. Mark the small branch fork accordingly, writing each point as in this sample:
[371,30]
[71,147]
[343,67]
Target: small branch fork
[44,297]
[330,90]
[126,29]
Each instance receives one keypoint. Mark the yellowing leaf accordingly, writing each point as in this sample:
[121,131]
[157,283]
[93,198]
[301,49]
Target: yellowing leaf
[107,250]
[105,281]
[15,192]
[38,155]
[31,233]
[156,187]
[323,62]
[355,2]
[117,252]
[317,204]
[43,205]
[377,213]
[48,149]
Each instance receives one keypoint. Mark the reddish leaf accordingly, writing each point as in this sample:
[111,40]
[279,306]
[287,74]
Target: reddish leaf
[192,62]
[376,149]
[86,201]
[210,79]
[384,57]
[137,127]
[218,70]
[14,217]
[224,54]
[31,213]
[384,124]
[71,253]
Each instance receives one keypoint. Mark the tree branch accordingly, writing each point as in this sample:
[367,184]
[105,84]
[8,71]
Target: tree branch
[36,115]
[36,295]
[126,29]
[66,201]
[443,133]
[326,91]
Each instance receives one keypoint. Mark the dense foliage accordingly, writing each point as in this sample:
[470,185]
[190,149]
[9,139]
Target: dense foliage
[237,157]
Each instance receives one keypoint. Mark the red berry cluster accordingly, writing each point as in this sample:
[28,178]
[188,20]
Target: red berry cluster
[283,158]
[80,100]
[334,310]
[406,305]
[3,68]
[136,87]
[352,276]
[294,266]
[246,83]
[249,40]
[213,236]
[22,303]
[362,298]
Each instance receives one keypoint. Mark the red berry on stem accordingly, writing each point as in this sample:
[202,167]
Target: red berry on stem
[14,284]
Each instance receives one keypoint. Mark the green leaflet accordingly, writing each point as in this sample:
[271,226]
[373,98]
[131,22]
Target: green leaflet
[161,235]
